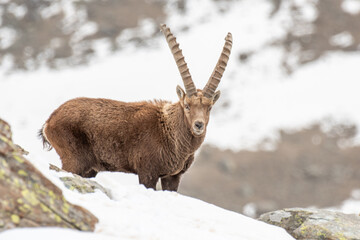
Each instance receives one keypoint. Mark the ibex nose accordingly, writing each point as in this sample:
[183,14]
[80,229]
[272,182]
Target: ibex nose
[199,125]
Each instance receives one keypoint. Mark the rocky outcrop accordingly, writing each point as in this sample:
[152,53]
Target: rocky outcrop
[315,224]
[82,185]
[28,199]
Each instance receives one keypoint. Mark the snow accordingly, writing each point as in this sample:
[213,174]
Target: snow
[249,209]
[351,6]
[343,39]
[307,10]
[320,91]
[351,205]
[51,10]
[139,213]
[89,28]
[7,37]
[260,99]
[18,11]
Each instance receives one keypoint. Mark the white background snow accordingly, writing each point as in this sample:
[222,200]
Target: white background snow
[261,97]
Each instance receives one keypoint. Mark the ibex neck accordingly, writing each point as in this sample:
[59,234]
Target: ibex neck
[178,131]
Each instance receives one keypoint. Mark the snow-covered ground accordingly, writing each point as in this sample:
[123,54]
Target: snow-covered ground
[139,213]
[261,99]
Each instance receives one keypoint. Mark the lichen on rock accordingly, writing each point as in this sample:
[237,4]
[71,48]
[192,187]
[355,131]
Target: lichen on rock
[27,198]
[315,224]
[80,184]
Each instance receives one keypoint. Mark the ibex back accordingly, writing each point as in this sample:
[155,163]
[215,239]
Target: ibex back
[154,139]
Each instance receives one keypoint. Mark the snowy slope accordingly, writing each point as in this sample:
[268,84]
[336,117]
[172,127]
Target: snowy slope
[139,213]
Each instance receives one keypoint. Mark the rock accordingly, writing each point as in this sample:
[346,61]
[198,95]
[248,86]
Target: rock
[5,129]
[82,185]
[315,224]
[28,199]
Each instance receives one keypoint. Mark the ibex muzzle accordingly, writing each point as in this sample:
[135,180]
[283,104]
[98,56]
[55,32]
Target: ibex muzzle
[154,139]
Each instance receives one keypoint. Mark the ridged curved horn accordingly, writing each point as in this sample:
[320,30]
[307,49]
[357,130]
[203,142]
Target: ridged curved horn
[180,60]
[219,69]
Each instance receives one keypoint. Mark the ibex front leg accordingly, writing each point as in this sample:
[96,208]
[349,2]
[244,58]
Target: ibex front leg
[147,180]
[171,183]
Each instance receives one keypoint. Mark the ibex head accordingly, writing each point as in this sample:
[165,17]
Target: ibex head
[197,103]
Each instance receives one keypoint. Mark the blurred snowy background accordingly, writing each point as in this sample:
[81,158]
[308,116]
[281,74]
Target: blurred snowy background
[285,130]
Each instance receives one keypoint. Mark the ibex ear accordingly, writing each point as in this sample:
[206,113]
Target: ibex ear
[180,92]
[216,96]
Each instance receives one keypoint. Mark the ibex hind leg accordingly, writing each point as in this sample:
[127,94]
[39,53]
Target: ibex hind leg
[81,162]
[75,165]
[90,173]
[74,152]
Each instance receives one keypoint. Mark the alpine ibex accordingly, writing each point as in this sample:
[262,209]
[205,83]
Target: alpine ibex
[154,139]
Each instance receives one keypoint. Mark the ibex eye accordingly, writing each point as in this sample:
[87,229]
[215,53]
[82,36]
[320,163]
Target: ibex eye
[187,106]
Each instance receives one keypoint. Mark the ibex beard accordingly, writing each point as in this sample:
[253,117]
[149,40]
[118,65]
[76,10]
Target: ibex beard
[154,139]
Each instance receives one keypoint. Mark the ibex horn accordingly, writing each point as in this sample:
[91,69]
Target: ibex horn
[180,61]
[218,72]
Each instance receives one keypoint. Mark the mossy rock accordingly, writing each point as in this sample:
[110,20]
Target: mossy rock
[28,199]
[80,184]
[83,185]
[315,224]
